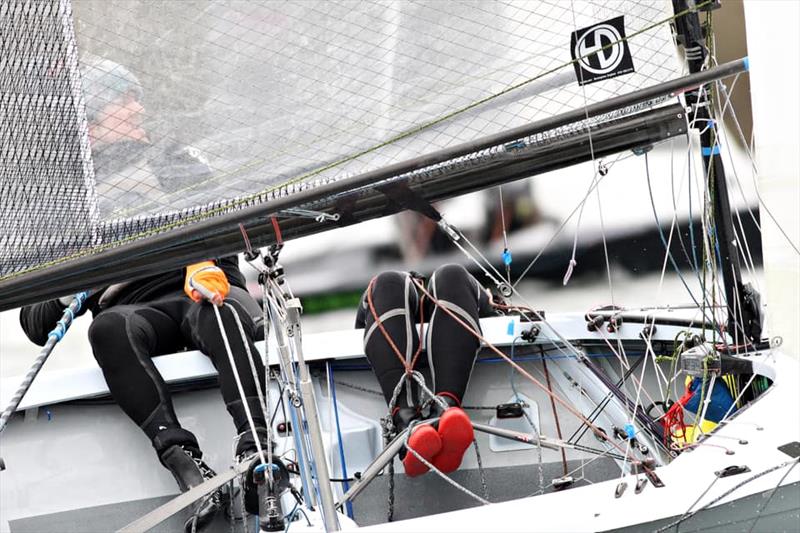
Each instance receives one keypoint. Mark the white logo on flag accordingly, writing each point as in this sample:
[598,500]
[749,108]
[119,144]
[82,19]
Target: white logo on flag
[591,53]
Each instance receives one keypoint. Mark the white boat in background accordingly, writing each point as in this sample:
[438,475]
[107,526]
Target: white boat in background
[570,410]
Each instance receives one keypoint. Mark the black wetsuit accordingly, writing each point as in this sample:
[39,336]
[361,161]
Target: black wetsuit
[451,349]
[152,316]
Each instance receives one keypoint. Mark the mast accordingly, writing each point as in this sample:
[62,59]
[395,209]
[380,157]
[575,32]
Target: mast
[744,314]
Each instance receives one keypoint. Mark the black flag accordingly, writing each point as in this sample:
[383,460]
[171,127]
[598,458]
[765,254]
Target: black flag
[601,51]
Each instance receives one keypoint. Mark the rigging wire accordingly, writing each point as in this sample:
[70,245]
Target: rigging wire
[744,246]
[566,342]
[579,206]
[663,238]
[693,259]
[506,251]
[735,307]
[516,366]
[537,434]
[762,203]
[346,484]
[555,413]
[771,494]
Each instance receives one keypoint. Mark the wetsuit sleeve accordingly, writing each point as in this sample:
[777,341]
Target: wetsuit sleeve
[230,265]
[39,319]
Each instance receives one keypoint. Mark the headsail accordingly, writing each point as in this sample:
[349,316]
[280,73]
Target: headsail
[244,104]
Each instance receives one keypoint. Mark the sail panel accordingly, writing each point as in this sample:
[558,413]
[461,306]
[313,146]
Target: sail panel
[192,109]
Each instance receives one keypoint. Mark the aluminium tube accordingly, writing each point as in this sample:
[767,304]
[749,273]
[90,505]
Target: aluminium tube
[329,516]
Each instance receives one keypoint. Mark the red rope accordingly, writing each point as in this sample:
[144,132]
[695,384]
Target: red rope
[601,435]
[409,367]
[555,415]
[673,422]
[277,228]
[246,238]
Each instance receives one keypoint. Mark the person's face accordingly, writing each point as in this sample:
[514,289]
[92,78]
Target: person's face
[120,120]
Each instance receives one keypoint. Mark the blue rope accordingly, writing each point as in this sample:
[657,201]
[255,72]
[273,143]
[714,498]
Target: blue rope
[58,331]
[66,319]
[346,485]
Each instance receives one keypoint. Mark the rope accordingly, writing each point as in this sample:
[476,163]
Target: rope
[409,366]
[261,396]
[484,485]
[439,472]
[346,484]
[522,371]
[555,415]
[387,432]
[238,380]
[53,338]
[731,491]
[277,228]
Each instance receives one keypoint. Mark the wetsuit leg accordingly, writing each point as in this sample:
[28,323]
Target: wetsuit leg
[452,349]
[200,326]
[123,339]
[397,305]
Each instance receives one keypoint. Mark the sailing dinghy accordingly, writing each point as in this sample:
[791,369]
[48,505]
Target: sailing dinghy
[247,124]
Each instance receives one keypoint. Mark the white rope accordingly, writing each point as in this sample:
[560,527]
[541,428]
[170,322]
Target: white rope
[261,396]
[436,470]
[239,386]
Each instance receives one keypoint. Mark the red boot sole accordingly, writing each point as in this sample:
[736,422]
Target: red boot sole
[456,433]
[425,441]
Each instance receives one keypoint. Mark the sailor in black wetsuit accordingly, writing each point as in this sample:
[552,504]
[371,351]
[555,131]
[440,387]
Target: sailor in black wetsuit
[158,315]
[136,321]
[393,304]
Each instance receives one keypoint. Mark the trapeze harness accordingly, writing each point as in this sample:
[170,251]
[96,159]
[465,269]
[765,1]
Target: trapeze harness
[390,311]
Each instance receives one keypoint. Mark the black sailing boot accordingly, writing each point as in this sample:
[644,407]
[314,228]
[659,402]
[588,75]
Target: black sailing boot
[247,451]
[403,416]
[187,466]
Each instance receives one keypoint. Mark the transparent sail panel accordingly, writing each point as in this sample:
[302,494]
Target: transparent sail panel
[122,117]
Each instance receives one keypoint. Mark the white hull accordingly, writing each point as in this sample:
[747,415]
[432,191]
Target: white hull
[72,458]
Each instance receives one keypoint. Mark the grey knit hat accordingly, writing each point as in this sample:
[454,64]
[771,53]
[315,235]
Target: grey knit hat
[104,82]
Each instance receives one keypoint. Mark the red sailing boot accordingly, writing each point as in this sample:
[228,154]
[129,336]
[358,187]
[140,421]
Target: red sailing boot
[424,440]
[456,434]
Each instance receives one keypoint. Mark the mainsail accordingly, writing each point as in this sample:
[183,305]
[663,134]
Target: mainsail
[124,120]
